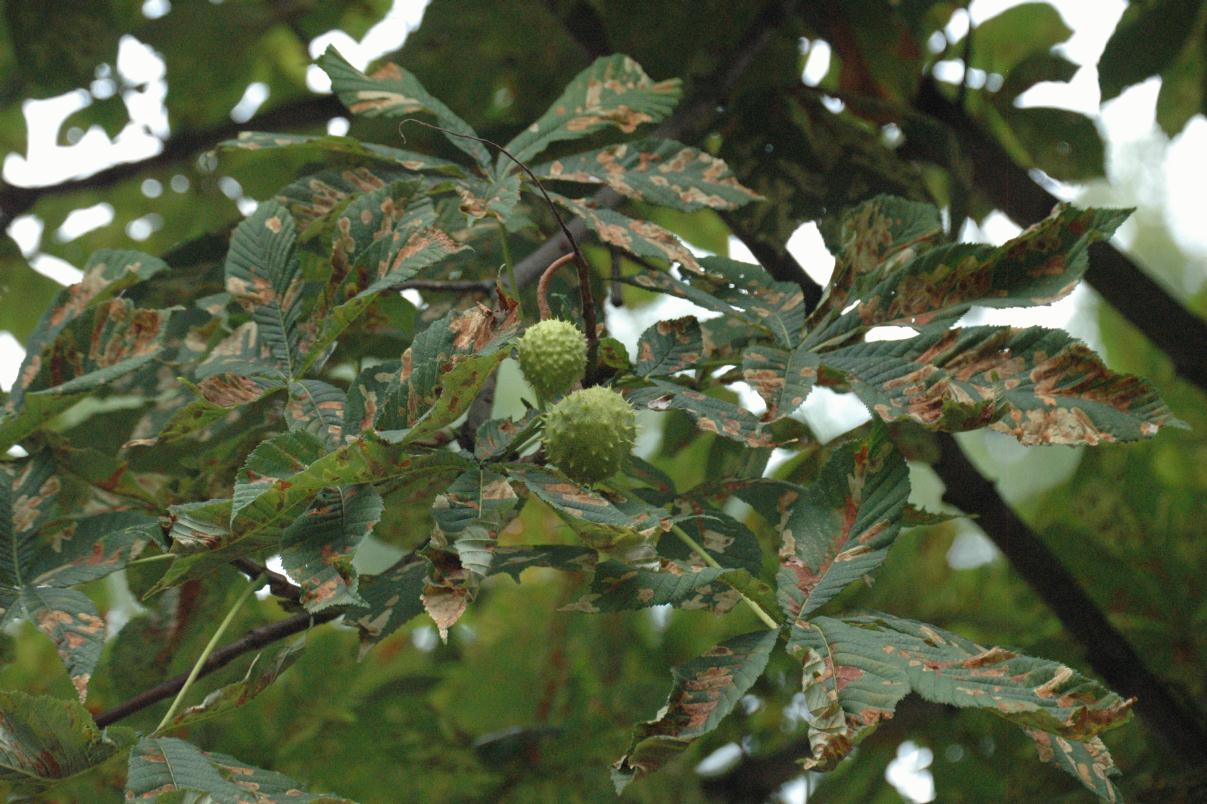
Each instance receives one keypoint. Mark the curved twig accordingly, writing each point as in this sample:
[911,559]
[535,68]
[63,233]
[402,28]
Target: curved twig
[542,287]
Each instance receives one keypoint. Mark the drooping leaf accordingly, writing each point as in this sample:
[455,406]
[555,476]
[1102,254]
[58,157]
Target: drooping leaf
[164,765]
[841,527]
[45,740]
[710,414]
[264,670]
[613,91]
[1088,761]
[726,540]
[317,407]
[584,504]
[1039,385]
[496,436]
[263,275]
[619,587]
[513,560]
[217,396]
[393,92]
[662,172]
[317,549]
[705,690]
[392,598]
[857,669]
[1129,57]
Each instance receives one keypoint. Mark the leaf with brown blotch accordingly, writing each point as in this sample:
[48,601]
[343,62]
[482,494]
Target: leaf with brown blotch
[705,690]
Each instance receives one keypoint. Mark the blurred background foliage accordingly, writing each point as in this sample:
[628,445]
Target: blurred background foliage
[526,703]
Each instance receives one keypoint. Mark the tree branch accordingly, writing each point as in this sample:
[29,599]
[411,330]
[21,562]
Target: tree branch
[1110,654]
[311,111]
[255,638]
[1171,327]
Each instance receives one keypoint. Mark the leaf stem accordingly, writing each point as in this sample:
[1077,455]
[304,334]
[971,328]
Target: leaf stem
[515,286]
[150,559]
[695,547]
[205,654]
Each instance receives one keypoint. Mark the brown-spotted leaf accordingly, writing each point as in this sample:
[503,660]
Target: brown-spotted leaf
[264,670]
[46,740]
[662,172]
[343,146]
[1088,761]
[782,378]
[1039,385]
[317,548]
[710,414]
[857,669]
[314,200]
[637,237]
[164,765]
[705,690]
[613,91]
[670,346]
[393,92]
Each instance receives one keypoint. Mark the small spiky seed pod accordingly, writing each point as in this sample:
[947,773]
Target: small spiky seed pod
[553,357]
[589,433]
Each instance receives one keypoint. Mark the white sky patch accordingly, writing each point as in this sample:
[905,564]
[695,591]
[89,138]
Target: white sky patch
[909,773]
[384,37]
[11,355]
[253,98]
[809,249]
[59,270]
[81,221]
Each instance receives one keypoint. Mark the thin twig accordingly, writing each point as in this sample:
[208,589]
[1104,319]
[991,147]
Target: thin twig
[447,285]
[584,268]
[253,639]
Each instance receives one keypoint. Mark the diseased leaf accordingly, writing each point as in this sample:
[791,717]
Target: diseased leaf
[841,527]
[1038,385]
[1088,761]
[496,436]
[727,540]
[710,414]
[264,670]
[45,740]
[613,91]
[263,275]
[857,669]
[705,690]
[218,396]
[393,92]
[344,146]
[317,408]
[317,549]
[669,347]
[585,505]
[662,172]
[637,237]
[314,199]
[782,378]
[619,587]
[513,560]
[163,765]
[392,599]
[1039,266]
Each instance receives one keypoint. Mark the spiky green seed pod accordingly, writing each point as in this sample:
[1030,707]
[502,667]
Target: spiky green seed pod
[589,433]
[553,356]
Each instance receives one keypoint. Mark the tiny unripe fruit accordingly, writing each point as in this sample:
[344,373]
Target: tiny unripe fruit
[589,433]
[553,357]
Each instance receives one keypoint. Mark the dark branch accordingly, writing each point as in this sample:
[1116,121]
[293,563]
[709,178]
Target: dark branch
[1107,651]
[255,638]
[1124,284]
[278,584]
[312,111]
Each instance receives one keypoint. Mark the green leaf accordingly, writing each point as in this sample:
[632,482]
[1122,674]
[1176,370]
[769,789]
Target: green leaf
[513,560]
[581,504]
[1088,761]
[1039,266]
[705,690]
[620,587]
[856,671]
[394,92]
[1062,143]
[842,526]
[727,540]
[392,599]
[1038,385]
[317,408]
[637,237]
[782,378]
[264,670]
[35,566]
[1009,38]
[662,172]
[162,765]
[27,292]
[1130,55]
[495,197]
[1183,91]
[669,347]
[317,548]
[313,200]
[710,414]
[263,275]
[613,91]
[496,436]
[345,146]
[45,740]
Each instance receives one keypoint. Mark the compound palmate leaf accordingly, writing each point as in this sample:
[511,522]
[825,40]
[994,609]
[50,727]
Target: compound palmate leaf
[706,689]
[857,669]
[163,765]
